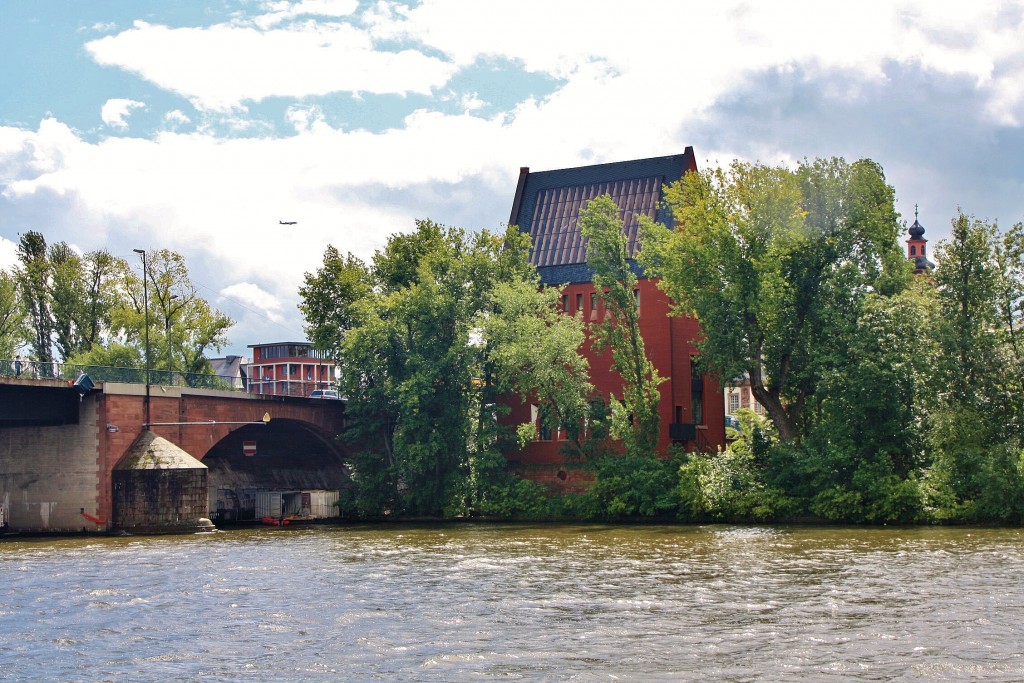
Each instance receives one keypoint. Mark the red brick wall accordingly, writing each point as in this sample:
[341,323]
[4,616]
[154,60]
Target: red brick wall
[557,478]
[666,340]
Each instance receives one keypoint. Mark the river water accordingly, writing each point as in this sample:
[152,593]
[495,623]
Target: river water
[474,602]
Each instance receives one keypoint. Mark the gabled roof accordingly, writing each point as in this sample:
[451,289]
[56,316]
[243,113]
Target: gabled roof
[547,206]
[229,367]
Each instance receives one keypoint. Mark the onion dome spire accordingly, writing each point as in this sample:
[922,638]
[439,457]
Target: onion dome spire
[916,230]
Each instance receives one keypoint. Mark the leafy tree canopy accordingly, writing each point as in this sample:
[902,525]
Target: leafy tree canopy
[635,418]
[775,263]
[426,336]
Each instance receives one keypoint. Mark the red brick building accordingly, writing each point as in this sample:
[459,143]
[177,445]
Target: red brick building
[547,206]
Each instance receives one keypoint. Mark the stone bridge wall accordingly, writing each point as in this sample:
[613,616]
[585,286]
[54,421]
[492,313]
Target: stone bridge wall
[49,474]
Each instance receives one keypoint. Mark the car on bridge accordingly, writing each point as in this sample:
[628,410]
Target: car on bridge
[325,393]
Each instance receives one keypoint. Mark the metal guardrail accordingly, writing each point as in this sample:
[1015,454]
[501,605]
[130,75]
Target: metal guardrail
[101,373]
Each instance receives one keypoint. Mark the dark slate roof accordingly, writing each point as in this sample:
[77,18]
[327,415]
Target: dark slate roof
[547,206]
[916,230]
[228,367]
[922,263]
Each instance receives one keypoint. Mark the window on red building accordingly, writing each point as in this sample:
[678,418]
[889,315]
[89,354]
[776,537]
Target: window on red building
[543,423]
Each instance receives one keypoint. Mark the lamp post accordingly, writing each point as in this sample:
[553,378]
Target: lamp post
[167,329]
[145,299]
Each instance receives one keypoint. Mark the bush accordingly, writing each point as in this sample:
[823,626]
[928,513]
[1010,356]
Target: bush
[733,484]
[730,486]
[629,486]
[516,498]
[973,477]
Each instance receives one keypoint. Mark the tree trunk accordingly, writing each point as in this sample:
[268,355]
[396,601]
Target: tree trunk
[776,411]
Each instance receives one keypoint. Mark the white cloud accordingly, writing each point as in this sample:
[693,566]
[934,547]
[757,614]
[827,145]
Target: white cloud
[283,11]
[471,102]
[689,53]
[177,117]
[304,118]
[253,296]
[115,111]
[222,199]
[221,67]
[8,254]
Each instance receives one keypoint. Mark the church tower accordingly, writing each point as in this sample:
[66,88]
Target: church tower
[917,246]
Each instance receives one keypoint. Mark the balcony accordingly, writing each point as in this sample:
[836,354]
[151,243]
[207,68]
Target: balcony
[682,431]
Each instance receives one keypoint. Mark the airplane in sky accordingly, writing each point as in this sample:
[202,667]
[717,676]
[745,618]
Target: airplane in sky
[287,222]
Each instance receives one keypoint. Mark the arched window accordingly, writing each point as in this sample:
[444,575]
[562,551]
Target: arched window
[913,251]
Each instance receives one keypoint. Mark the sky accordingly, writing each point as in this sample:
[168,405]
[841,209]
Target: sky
[198,126]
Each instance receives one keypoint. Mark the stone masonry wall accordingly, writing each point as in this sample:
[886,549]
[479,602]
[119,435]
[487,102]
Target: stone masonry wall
[49,474]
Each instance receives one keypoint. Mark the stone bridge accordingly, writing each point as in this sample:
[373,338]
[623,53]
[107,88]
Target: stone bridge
[60,443]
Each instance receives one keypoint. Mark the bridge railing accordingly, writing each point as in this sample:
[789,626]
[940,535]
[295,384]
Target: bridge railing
[102,373]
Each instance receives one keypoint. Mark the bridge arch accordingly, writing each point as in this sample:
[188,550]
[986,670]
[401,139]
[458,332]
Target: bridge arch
[285,455]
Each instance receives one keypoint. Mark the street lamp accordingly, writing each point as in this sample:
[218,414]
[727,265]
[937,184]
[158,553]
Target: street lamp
[167,329]
[145,298]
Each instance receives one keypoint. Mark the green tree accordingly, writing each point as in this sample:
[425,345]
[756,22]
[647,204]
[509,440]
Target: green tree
[734,485]
[66,298]
[407,369]
[33,278]
[427,336]
[182,324]
[775,264]
[1009,258]
[533,352]
[113,360]
[871,425]
[83,291]
[635,418]
[13,329]
[330,297]
[103,293]
[975,435]
[967,279]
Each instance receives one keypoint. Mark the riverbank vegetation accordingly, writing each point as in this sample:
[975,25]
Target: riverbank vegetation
[894,398]
[890,397]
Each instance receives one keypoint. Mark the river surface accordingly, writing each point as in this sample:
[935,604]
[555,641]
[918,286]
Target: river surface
[472,602]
